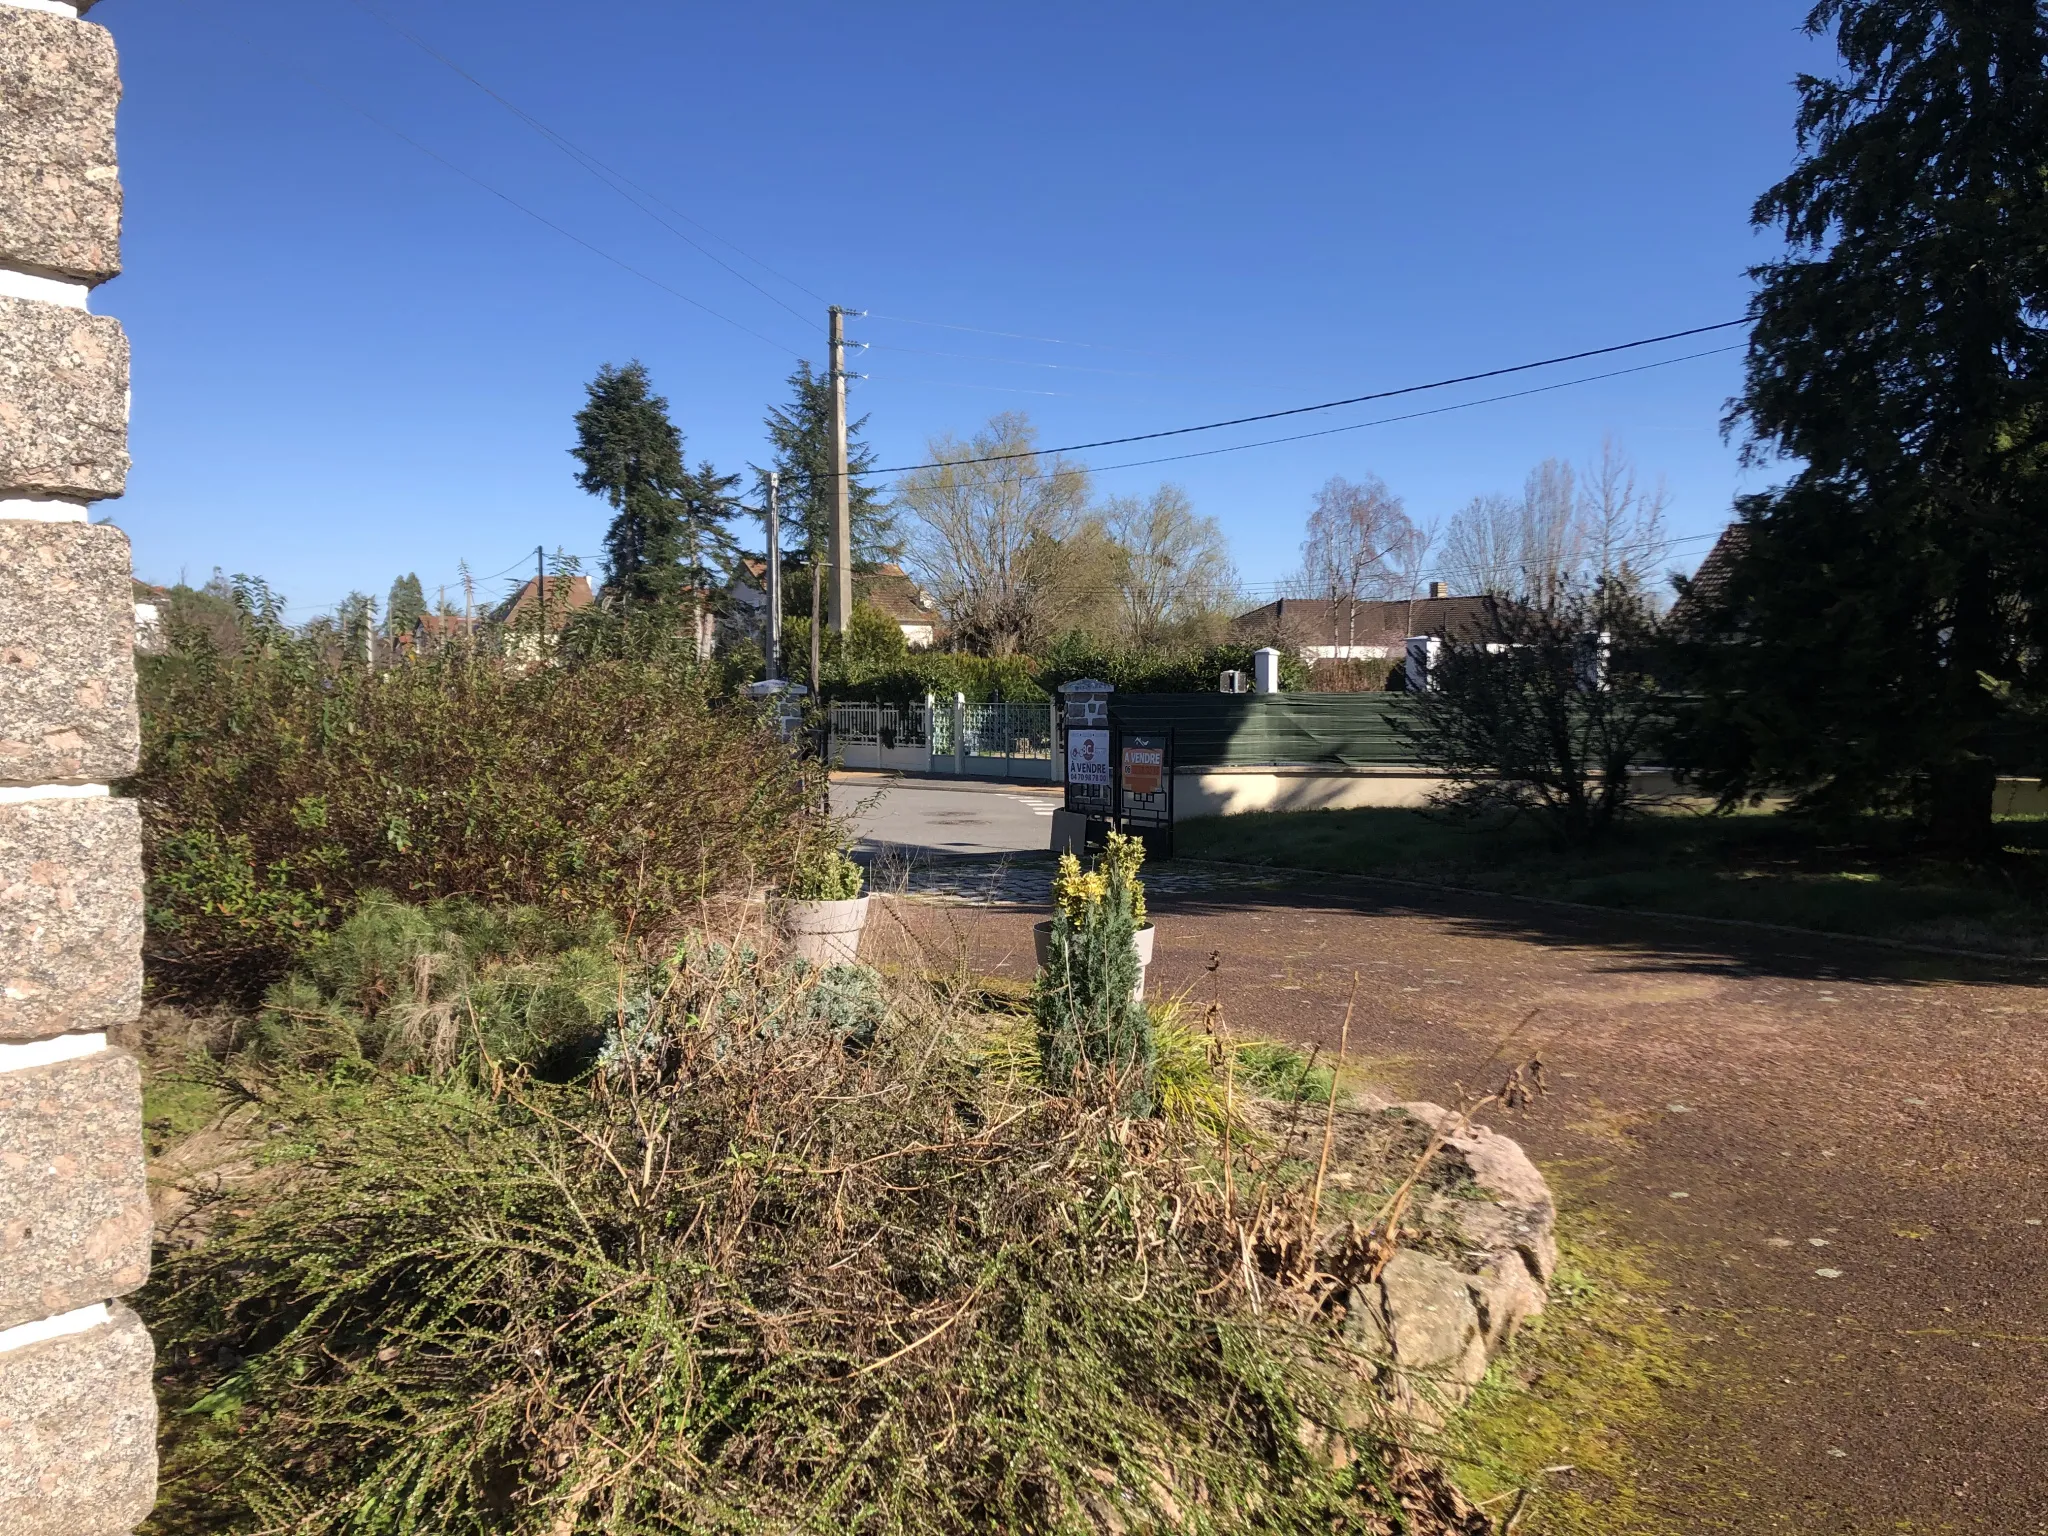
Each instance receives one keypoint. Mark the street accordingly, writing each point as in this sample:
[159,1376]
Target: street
[927,817]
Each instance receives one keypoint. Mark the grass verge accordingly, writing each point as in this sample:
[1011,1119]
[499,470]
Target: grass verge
[1762,867]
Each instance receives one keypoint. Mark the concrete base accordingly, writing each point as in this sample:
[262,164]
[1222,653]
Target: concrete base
[1069,833]
[1241,791]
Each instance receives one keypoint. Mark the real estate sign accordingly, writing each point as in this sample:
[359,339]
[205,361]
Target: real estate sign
[1144,765]
[1088,758]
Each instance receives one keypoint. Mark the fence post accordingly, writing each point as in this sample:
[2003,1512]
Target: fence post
[960,733]
[1052,736]
[931,720]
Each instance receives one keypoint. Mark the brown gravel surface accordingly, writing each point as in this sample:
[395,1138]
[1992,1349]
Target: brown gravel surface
[1836,1155]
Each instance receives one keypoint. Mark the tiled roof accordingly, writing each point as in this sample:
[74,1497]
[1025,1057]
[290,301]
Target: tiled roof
[1320,621]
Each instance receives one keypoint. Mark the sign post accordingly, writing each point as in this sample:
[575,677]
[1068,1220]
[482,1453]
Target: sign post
[1088,763]
[1144,789]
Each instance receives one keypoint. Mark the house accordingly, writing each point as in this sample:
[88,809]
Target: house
[552,597]
[1365,629]
[436,631]
[1709,584]
[888,587]
[150,602]
[891,589]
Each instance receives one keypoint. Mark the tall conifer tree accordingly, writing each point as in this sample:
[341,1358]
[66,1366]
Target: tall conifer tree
[1883,629]
[668,535]
[404,608]
[801,433]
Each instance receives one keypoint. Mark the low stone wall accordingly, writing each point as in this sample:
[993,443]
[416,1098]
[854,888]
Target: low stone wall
[77,1411]
[1447,1304]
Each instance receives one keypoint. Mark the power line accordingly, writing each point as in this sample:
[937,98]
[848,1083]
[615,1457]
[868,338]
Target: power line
[506,197]
[605,174]
[1382,421]
[1353,426]
[1051,341]
[1327,405]
[1016,362]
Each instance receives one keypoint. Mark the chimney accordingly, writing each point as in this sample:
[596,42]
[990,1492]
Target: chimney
[1439,589]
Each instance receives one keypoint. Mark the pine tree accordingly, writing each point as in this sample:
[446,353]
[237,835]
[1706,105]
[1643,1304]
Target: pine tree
[1884,627]
[404,608]
[632,455]
[801,433]
[704,507]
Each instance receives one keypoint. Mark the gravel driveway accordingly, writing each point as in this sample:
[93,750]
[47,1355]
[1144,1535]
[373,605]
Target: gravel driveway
[1838,1157]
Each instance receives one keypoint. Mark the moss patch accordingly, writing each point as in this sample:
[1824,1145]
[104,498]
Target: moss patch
[1584,1387]
[176,1106]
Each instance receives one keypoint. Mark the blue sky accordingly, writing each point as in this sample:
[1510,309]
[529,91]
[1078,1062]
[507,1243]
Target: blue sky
[353,360]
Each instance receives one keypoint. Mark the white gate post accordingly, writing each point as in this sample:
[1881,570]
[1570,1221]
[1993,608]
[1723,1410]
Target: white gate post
[930,720]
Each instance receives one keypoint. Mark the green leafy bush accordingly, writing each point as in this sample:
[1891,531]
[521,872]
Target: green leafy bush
[1180,669]
[278,784]
[823,873]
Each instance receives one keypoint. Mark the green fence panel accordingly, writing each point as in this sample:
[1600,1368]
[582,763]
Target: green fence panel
[1246,730]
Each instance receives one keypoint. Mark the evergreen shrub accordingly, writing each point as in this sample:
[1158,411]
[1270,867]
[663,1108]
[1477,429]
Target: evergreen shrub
[1094,1036]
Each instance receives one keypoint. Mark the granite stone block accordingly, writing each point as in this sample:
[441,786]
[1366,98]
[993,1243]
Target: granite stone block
[70,917]
[74,1200]
[60,183]
[78,1432]
[67,654]
[63,402]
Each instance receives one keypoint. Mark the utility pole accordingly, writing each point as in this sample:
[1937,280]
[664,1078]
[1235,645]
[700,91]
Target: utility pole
[842,516]
[817,572]
[540,590]
[772,578]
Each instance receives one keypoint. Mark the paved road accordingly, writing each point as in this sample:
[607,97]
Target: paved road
[1836,1158]
[937,817]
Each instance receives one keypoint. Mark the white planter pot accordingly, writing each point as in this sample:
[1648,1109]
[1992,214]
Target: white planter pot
[825,933]
[1141,941]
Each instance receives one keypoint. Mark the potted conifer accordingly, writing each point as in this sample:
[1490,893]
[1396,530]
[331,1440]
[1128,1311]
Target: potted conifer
[1089,998]
[823,910]
[1115,880]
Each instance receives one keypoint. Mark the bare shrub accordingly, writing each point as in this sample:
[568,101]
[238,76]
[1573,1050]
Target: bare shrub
[278,785]
[758,1274]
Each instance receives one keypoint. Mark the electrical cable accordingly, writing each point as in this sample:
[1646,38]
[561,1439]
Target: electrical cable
[1017,362]
[1297,437]
[506,197]
[1281,588]
[1051,341]
[1327,405]
[605,174]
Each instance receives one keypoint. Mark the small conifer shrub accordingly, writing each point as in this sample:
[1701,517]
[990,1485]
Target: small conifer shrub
[1094,1036]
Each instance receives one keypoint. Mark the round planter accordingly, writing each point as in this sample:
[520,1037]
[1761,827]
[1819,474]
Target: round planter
[1141,941]
[826,933]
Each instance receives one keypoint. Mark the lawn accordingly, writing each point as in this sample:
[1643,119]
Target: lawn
[1761,866]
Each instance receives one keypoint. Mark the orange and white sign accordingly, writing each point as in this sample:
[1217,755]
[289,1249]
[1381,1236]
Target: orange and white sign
[1144,768]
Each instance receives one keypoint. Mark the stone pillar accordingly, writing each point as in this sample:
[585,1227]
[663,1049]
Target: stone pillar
[77,1412]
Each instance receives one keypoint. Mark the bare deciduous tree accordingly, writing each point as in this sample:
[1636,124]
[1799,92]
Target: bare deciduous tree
[985,515]
[1567,532]
[1361,546]
[1177,573]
